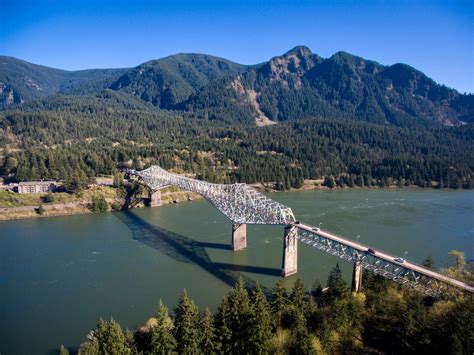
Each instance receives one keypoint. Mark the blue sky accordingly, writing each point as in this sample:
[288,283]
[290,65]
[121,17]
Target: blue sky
[435,37]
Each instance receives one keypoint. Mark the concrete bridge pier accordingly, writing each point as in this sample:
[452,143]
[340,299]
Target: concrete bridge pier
[357,277]
[290,251]
[154,198]
[239,236]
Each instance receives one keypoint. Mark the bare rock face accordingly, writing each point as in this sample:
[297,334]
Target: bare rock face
[291,66]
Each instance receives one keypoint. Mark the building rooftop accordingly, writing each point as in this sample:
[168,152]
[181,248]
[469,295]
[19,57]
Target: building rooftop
[41,182]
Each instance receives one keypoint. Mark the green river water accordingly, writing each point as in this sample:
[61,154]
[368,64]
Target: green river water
[59,275]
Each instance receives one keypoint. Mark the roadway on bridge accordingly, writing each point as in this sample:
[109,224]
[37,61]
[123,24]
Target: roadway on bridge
[387,257]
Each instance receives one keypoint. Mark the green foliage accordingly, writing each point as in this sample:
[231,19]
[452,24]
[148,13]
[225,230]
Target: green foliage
[337,286]
[118,180]
[110,338]
[301,343]
[384,318]
[233,318]
[90,347]
[99,204]
[43,81]
[279,303]
[300,84]
[87,131]
[63,350]
[208,343]
[48,198]
[186,320]
[74,183]
[260,323]
[428,262]
[162,340]
[331,126]
[40,210]
[459,262]
[168,81]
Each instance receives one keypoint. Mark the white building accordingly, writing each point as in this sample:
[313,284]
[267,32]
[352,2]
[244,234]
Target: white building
[30,187]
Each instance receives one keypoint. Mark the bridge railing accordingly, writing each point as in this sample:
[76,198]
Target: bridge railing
[381,263]
[239,202]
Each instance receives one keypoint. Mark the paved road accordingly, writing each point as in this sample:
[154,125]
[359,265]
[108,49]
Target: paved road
[382,255]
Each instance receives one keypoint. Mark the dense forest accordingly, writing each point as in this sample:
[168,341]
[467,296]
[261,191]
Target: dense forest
[383,318]
[345,120]
[81,137]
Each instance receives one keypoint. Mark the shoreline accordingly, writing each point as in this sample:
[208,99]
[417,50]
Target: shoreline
[167,197]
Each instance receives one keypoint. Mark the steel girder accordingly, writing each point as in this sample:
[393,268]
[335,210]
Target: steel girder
[370,262]
[239,202]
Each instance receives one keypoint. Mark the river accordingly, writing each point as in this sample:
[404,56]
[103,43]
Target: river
[58,275]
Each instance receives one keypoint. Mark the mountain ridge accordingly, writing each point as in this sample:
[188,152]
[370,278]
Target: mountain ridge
[297,84]
[301,84]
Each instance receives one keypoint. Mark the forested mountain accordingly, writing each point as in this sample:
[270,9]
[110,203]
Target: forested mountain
[300,84]
[296,85]
[344,119]
[171,80]
[21,81]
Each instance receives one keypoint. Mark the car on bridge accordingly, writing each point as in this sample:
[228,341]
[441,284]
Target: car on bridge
[399,260]
[371,251]
[316,229]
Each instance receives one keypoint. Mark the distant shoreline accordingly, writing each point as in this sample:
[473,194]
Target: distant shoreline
[168,197]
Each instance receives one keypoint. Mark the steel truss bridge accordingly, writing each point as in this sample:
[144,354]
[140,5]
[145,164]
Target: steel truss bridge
[243,205]
[238,202]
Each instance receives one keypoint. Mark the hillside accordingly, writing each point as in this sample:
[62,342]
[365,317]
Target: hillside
[300,84]
[171,80]
[295,85]
[22,82]
[347,120]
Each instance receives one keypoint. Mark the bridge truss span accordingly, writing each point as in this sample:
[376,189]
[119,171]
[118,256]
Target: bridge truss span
[243,205]
[406,273]
[239,202]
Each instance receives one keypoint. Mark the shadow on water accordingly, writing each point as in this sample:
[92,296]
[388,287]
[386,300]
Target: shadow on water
[187,250]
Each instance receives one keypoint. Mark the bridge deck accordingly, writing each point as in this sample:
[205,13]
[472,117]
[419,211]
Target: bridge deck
[387,257]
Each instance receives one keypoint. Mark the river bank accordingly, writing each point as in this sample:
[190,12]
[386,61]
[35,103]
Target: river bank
[15,206]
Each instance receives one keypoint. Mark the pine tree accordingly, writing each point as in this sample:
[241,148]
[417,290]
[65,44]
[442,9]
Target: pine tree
[208,343]
[298,294]
[186,325]
[301,343]
[260,323]
[223,325]
[233,319]
[90,347]
[279,302]
[428,262]
[337,287]
[110,337]
[63,350]
[162,339]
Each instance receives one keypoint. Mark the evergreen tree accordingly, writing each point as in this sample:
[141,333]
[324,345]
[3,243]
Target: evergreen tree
[223,325]
[99,204]
[233,319]
[110,337]
[162,339]
[337,287]
[279,302]
[428,262]
[90,347]
[186,319]
[260,323]
[118,180]
[301,343]
[63,350]
[208,343]
[298,295]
